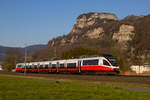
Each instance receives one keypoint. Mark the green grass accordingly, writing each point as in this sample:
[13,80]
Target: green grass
[27,89]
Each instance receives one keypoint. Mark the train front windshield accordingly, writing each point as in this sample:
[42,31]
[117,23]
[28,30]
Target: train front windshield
[113,61]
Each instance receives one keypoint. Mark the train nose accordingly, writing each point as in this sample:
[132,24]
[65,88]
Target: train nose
[116,67]
[117,70]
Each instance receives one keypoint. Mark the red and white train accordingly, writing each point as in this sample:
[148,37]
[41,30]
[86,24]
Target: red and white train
[100,63]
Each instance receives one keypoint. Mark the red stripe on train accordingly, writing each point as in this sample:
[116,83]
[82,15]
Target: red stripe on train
[96,68]
[83,68]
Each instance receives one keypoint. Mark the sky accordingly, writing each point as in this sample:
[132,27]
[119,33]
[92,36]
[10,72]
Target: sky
[29,22]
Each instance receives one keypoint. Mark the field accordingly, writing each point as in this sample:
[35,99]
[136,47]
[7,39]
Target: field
[28,89]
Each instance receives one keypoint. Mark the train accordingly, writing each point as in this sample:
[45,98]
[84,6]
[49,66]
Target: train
[94,64]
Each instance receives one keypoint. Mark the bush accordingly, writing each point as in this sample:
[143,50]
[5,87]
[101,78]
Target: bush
[8,67]
[12,57]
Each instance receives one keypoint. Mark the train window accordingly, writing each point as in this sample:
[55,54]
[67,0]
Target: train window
[53,65]
[41,66]
[35,66]
[106,63]
[19,66]
[30,67]
[27,67]
[46,66]
[62,66]
[113,61]
[50,65]
[71,65]
[24,66]
[90,62]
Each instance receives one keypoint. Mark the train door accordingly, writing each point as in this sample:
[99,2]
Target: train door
[79,66]
[32,67]
[38,65]
[50,67]
[57,66]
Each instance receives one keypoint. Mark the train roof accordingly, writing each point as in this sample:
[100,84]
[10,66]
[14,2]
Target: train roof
[75,59]
[105,55]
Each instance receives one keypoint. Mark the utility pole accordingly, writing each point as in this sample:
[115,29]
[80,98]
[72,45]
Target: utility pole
[25,60]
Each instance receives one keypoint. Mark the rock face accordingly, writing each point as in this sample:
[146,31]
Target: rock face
[125,33]
[89,19]
[97,26]
[73,39]
[63,41]
[89,24]
[95,33]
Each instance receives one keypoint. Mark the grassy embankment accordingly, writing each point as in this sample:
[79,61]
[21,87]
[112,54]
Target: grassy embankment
[27,89]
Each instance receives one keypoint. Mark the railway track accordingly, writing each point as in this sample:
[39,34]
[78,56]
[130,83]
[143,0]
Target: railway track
[108,78]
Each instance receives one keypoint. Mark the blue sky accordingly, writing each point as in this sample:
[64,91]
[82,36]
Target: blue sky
[28,22]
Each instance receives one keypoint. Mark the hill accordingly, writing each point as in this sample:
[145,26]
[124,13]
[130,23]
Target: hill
[31,49]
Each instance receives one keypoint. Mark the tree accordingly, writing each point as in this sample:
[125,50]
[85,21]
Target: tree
[12,57]
[30,59]
[148,59]
[79,51]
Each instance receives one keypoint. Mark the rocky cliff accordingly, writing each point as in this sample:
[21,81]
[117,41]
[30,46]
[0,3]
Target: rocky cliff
[86,20]
[97,26]
[126,33]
